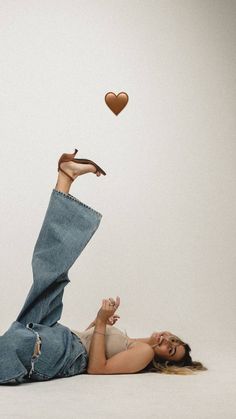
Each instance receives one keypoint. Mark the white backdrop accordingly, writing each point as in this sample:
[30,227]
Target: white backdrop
[166,242]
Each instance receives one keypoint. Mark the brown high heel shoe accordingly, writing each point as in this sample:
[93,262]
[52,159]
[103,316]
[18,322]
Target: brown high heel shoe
[70,157]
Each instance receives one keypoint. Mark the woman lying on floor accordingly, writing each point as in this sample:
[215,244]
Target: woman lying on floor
[36,347]
[115,352]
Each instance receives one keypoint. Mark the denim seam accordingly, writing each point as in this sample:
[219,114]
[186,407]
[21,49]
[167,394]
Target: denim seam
[69,196]
[39,374]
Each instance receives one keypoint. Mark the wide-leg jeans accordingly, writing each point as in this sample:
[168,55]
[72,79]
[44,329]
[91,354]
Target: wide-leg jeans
[67,228]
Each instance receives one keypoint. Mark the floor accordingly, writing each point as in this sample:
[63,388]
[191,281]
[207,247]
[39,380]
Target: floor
[208,395]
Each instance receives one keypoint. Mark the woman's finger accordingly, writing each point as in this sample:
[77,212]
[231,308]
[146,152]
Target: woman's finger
[111,300]
[108,305]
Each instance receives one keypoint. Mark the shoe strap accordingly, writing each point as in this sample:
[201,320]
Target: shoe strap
[66,174]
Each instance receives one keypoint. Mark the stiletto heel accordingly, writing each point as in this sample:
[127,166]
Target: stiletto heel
[70,157]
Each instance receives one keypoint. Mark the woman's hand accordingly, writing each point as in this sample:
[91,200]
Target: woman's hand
[113,319]
[108,309]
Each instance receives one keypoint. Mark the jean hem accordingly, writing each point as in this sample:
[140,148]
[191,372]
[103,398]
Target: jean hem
[69,196]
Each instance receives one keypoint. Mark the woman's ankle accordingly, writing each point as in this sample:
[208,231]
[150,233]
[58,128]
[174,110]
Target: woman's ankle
[63,183]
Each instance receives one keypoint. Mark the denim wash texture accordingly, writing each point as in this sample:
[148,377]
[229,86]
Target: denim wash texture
[67,228]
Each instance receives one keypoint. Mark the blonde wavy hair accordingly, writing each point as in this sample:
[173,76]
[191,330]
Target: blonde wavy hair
[185,366]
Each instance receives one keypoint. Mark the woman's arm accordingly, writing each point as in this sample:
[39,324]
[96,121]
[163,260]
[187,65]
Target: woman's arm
[126,362]
[91,325]
[97,357]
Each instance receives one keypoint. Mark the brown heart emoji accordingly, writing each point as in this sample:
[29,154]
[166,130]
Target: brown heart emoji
[116,102]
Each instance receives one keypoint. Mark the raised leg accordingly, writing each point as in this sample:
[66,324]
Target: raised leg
[67,228]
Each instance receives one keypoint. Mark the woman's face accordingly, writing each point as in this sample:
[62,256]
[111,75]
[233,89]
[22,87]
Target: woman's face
[167,346]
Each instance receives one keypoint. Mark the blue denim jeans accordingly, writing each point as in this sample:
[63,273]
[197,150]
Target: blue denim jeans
[67,228]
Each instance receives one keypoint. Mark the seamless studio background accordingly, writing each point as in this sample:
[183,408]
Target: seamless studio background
[166,242]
